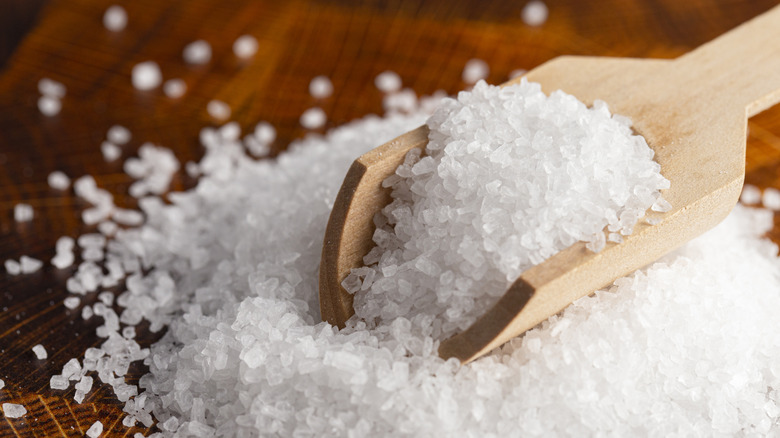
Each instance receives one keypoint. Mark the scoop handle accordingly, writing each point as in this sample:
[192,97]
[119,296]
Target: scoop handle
[741,68]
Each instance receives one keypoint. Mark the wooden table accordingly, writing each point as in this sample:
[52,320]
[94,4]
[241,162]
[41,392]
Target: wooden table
[427,43]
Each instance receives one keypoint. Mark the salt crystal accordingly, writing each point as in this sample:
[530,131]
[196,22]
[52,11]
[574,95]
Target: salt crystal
[58,180]
[86,313]
[107,228]
[13,410]
[115,18]
[230,131]
[245,46]
[106,298]
[72,302]
[2,384]
[118,134]
[13,267]
[265,133]
[29,265]
[313,118]
[771,198]
[197,52]
[175,88]
[51,88]
[49,106]
[95,430]
[146,75]
[751,195]
[59,382]
[40,351]
[320,87]
[63,260]
[111,152]
[388,82]
[23,212]
[404,101]
[535,13]
[475,70]
[218,109]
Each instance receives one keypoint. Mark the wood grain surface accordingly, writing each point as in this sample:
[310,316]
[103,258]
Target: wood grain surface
[427,43]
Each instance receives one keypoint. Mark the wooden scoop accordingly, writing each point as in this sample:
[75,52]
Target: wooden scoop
[693,113]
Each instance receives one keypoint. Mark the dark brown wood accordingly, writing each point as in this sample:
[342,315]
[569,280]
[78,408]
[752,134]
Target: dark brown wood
[351,42]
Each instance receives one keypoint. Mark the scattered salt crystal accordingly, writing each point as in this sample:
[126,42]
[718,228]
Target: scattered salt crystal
[197,52]
[72,302]
[115,18]
[535,13]
[86,312]
[475,70]
[127,217]
[59,382]
[174,88]
[110,151]
[146,75]
[107,228]
[771,198]
[218,109]
[49,106]
[40,352]
[106,298]
[29,265]
[95,430]
[265,133]
[2,384]
[23,212]
[13,267]
[230,131]
[62,260]
[58,180]
[313,118]
[13,410]
[751,195]
[245,46]
[51,88]
[388,82]
[404,101]
[118,134]
[320,87]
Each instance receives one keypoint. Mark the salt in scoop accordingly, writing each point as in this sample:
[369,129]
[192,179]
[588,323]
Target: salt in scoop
[693,113]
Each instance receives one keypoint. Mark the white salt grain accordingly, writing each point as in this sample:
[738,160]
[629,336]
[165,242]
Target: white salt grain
[771,198]
[12,267]
[118,134]
[51,88]
[751,195]
[13,410]
[265,133]
[175,88]
[95,430]
[245,46]
[58,180]
[40,352]
[388,82]
[197,52]
[115,18]
[535,13]
[2,384]
[475,70]
[218,109]
[23,212]
[72,302]
[28,265]
[313,118]
[320,87]
[111,152]
[49,106]
[146,75]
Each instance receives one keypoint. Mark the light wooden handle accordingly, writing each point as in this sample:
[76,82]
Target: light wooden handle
[741,67]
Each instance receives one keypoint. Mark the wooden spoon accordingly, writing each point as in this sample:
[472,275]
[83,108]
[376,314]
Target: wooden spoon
[693,113]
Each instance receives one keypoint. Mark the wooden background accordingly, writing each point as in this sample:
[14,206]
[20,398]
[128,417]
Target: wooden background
[427,43]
